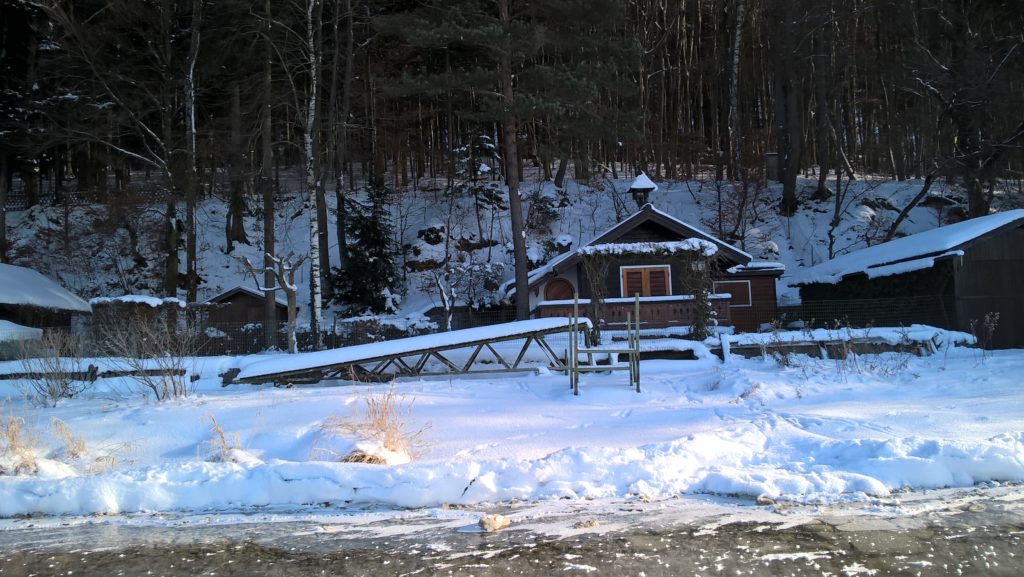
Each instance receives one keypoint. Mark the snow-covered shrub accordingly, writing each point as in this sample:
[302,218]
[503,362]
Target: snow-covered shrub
[53,368]
[541,211]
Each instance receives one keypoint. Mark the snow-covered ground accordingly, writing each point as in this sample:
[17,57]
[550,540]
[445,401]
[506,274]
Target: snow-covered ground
[813,431]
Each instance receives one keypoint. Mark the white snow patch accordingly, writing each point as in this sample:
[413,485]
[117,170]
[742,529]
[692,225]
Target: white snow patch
[22,286]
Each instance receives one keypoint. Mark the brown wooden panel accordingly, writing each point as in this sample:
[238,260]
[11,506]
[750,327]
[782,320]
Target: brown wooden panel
[558,290]
[633,282]
[739,289]
[658,282]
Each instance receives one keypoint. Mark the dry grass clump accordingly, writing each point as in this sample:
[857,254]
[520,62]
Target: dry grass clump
[74,447]
[17,447]
[221,447]
[360,456]
[384,420]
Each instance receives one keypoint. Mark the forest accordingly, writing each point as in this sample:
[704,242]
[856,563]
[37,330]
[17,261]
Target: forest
[186,100]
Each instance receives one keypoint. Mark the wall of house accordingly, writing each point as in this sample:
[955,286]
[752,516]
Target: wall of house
[30,316]
[924,296]
[678,271]
[749,313]
[989,278]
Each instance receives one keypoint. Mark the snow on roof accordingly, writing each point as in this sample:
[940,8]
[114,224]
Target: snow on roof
[757,265]
[23,286]
[915,252]
[660,248]
[642,182]
[139,299]
[14,332]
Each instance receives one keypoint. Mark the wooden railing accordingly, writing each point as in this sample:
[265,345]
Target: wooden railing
[655,312]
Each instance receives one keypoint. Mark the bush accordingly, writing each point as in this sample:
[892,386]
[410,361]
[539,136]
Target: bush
[54,368]
[155,354]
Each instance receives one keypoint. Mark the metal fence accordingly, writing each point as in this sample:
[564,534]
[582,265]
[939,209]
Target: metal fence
[891,312]
[248,338]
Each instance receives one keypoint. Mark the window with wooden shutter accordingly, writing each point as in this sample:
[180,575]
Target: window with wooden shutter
[647,281]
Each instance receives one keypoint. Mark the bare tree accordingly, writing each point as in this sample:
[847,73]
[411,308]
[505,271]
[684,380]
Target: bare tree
[282,273]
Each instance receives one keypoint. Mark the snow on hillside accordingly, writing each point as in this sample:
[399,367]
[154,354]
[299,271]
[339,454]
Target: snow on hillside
[124,251]
[816,431]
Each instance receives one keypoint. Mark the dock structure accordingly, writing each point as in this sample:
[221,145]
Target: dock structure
[412,356]
[631,350]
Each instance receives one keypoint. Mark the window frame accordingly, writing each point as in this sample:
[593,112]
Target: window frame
[645,282]
[750,293]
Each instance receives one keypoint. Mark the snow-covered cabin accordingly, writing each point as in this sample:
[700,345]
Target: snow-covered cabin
[243,305]
[744,294]
[30,299]
[948,276]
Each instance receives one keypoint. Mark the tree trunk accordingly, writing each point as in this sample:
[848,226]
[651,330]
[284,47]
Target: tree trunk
[787,113]
[235,228]
[4,182]
[511,150]
[823,118]
[346,106]
[734,80]
[267,185]
[172,235]
[191,174]
[313,187]
[560,173]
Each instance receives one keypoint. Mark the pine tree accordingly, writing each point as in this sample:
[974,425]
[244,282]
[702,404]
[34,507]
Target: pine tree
[367,284]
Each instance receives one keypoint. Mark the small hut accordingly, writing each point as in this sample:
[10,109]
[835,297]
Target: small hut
[29,299]
[643,259]
[241,305]
[952,276]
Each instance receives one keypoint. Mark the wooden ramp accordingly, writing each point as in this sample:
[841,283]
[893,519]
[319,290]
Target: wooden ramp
[410,356]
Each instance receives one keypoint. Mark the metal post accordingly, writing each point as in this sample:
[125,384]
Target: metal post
[574,374]
[636,344]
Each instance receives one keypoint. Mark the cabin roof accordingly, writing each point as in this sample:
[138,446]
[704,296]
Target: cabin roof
[26,287]
[910,253]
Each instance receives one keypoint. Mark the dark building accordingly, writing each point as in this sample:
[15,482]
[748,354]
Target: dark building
[242,305]
[952,277]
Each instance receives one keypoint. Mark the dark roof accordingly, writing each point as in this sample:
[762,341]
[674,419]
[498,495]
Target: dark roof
[226,295]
